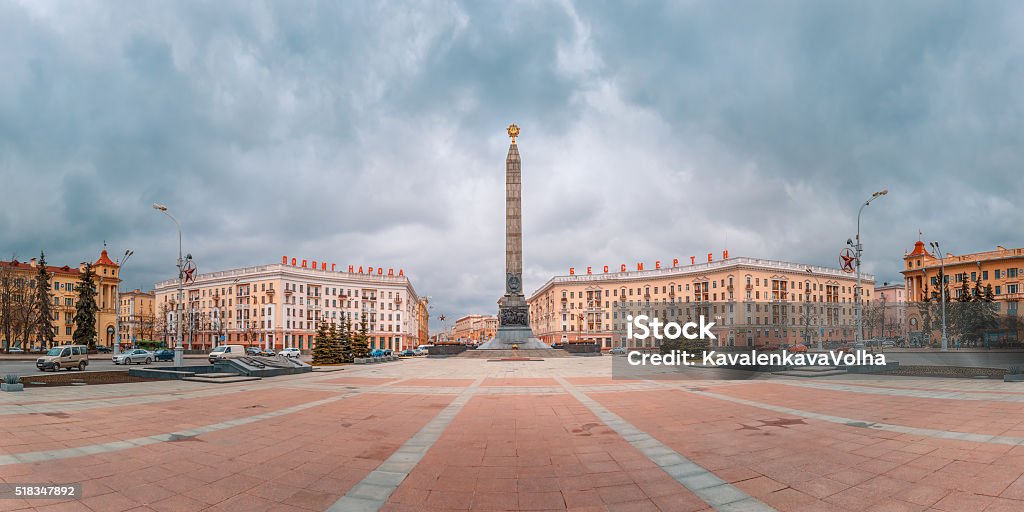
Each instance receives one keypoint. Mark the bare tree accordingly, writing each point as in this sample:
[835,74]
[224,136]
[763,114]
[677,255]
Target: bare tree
[7,303]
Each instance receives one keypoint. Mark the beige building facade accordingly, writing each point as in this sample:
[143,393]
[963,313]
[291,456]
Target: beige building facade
[753,302]
[475,328]
[279,305]
[138,320]
[62,289]
[887,316]
[1002,269]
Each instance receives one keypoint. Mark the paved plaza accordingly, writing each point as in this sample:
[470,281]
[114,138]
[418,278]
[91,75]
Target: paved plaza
[558,434]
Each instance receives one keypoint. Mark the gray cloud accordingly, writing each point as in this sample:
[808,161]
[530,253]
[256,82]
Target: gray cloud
[374,133]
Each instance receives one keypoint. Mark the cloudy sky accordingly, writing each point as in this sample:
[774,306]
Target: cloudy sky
[373,133]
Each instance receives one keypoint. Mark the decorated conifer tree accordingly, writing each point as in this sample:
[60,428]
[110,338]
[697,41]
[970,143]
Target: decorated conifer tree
[43,305]
[85,309]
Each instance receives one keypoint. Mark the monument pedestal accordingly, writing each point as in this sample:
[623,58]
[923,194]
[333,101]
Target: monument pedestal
[508,337]
[513,326]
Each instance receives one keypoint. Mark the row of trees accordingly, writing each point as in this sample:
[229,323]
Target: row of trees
[968,318]
[27,308]
[342,343]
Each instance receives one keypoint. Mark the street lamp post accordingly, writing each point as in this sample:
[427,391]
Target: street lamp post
[818,283]
[117,304]
[858,249]
[942,293]
[179,350]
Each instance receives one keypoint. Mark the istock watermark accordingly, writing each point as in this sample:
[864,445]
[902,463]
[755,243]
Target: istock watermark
[755,358]
[672,330]
[656,346]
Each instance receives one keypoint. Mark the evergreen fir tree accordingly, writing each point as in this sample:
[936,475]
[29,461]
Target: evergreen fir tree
[321,351]
[925,309]
[345,341]
[962,317]
[85,309]
[45,332]
[333,348]
[361,342]
[987,314]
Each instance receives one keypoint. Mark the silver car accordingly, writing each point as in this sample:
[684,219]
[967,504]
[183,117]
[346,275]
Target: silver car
[133,356]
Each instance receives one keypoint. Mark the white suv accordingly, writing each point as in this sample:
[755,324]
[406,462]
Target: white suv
[289,352]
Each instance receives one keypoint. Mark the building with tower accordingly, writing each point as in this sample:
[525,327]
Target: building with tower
[1002,269]
[63,280]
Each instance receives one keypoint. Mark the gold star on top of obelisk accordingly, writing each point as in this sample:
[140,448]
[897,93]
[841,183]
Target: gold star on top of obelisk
[513,131]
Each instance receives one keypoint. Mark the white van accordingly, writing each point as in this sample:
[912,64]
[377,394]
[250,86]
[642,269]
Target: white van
[226,352]
[64,356]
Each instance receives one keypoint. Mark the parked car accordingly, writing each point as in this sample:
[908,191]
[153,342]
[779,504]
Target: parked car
[408,353]
[164,355]
[226,352]
[376,353]
[289,352]
[133,357]
[103,349]
[617,351]
[798,348]
[252,351]
[388,352]
[64,356]
[267,352]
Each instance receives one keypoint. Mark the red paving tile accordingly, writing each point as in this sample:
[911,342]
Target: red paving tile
[361,381]
[21,433]
[439,383]
[305,460]
[595,381]
[796,464]
[527,452]
[518,381]
[975,416]
[545,452]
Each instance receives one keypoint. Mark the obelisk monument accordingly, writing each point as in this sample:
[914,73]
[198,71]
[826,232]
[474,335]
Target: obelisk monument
[513,312]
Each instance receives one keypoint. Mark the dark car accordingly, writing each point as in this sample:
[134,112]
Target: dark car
[252,351]
[408,353]
[164,355]
[103,350]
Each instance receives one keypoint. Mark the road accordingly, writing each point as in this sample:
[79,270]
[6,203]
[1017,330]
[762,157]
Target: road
[95,363]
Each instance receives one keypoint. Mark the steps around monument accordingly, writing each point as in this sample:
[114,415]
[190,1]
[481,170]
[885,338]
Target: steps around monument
[548,353]
[811,371]
[221,378]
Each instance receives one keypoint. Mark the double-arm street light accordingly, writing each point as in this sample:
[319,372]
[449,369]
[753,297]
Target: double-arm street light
[857,250]
[117,305]
[179,350]
[942,293]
